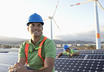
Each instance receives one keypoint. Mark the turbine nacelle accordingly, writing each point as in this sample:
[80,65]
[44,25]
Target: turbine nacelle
[50,17]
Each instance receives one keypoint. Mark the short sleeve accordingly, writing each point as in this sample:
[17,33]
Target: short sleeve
[50,49]
[65,53]
[22,51]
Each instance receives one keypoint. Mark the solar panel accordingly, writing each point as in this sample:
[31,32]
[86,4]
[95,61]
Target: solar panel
[78,57]
[91,51]
[66,65]
[84,57]
[59,51]
[95,57]
[87,61]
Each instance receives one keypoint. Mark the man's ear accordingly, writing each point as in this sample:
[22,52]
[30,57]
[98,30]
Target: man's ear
[28,28]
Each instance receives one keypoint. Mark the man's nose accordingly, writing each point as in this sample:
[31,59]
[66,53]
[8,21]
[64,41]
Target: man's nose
[36,27]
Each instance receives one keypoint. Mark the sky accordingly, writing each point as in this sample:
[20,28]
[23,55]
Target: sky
[14,15]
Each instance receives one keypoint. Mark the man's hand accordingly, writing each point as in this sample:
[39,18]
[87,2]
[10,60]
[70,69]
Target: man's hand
[15,67]
[11,69]
[71,55]
[57,57]
[60,54]
[22,69]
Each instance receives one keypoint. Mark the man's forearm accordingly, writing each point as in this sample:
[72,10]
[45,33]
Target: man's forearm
[44,69]
[59,55]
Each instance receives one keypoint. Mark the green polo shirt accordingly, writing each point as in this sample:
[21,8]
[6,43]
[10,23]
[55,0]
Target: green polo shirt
[71,52]
[34,61]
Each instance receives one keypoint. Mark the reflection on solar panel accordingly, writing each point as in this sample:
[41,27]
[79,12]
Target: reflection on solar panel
[87,61]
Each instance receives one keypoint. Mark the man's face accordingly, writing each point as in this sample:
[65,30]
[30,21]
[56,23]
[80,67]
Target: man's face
[67,50]
[35,29]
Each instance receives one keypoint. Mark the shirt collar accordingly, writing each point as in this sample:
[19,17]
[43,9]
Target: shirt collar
[41,38]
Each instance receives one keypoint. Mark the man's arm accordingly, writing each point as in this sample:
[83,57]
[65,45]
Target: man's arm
[76,53]
[60,54]
[48,66]
[18,65]
[22,61]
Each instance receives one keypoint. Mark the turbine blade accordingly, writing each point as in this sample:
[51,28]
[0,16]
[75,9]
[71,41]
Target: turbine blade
[55,8]
[99,4]
[83,2]
[56,23]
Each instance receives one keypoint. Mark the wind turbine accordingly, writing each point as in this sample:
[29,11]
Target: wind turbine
[96,2]
[52,19]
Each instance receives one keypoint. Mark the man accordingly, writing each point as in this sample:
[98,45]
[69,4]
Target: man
[68,51]
[37,54]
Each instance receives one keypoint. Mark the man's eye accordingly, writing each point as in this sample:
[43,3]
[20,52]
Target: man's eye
[39,25]
[32,24]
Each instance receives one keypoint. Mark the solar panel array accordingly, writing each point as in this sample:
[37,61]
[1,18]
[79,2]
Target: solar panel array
[92,51]
[87,61]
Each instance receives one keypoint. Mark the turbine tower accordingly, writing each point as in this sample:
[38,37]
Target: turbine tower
[96,2]
[52,19]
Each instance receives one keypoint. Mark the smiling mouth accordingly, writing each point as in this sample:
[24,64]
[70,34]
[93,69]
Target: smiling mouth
[36,32]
